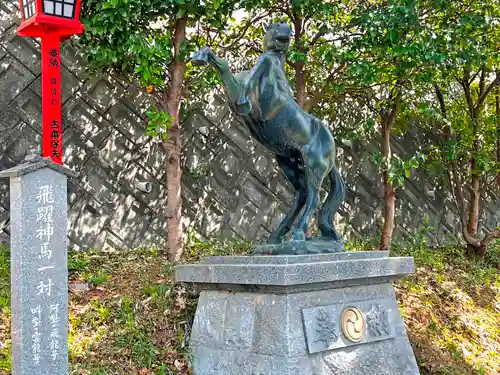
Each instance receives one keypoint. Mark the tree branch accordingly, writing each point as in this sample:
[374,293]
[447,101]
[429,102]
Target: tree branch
[322,31]
[250,22]
[482,81]
[459,193]
[318,95]
[486,92]
[493,235]
[464,82]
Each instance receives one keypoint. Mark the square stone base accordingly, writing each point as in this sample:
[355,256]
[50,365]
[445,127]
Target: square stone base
[293,323]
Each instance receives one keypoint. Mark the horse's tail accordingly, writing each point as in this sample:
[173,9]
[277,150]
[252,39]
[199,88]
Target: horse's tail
[331,205]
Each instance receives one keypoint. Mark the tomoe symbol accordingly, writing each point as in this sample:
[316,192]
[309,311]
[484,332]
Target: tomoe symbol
[353,324]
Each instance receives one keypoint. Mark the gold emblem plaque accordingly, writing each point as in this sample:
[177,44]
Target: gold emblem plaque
[353,324]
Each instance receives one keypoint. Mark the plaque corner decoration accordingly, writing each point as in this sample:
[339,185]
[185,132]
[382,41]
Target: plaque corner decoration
[378,321]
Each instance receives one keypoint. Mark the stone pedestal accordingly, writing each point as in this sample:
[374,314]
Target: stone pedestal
[299,315]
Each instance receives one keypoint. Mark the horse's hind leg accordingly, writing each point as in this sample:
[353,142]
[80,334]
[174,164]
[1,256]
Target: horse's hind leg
[296,176]
[331,206]
[316,169]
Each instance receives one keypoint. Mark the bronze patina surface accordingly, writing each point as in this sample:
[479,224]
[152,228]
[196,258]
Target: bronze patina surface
[303,145]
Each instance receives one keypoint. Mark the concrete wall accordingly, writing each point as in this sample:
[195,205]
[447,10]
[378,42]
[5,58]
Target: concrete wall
[231,185]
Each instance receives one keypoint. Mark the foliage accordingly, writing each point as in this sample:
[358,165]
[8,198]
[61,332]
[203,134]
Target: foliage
[5,341]
[147,43]
[158,124]
[134,41]
[462,116]
[399,169]
[137,322]
[134,37]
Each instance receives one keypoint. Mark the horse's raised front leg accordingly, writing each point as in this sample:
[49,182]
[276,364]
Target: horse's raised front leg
[232,86]
[296,176]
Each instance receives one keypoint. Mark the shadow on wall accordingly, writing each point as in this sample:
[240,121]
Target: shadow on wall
[231,184]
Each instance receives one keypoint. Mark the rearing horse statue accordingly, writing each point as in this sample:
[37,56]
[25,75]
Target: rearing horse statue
[303,145]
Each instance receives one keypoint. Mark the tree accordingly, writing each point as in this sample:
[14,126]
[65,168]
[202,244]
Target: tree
[389,57]
[147,43]
[468,108]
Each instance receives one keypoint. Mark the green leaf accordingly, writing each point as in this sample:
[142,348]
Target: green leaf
[393,35]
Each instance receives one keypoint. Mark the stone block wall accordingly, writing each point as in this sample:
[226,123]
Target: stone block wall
[231,185]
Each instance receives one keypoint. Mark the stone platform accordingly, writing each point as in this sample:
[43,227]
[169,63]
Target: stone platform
[319,314]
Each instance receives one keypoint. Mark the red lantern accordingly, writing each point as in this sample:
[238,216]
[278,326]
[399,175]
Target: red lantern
[52,21]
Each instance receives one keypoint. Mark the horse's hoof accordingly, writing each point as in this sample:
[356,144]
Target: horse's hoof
[299,236]
[274,241]
[199,61]
[200,57]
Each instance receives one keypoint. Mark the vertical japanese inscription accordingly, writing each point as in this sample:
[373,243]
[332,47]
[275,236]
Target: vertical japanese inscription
[55,98]
[51,100]
[46,313]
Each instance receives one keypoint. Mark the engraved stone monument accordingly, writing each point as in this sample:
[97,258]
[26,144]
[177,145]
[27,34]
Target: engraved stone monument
[39,267]
[299,314]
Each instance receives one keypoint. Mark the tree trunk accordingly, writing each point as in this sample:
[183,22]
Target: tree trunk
[388,120]
[299,66]
[475,200]
[467,218]
[475,184]
[497,109]
[389,190]
[173,147]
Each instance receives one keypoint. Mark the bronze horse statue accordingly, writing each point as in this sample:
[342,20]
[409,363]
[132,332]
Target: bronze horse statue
[303,145]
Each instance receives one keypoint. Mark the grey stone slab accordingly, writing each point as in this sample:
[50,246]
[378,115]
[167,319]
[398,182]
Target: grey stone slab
[237,132]
[209,320]
[246,219]
[77,149]
[28,106]
[73,60]
[26,50]
[263,164]
[9,16]
[256,192]
[129,124]
[130,221]
[116,149]
[69,85]
[19,142]
[87,218]
[101,92]
[86,121]
[293,259]
[294,274]
[39,271]
[390,357]
[208,361]
[15,77]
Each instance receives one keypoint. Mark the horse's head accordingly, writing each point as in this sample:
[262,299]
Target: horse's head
[277,37]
